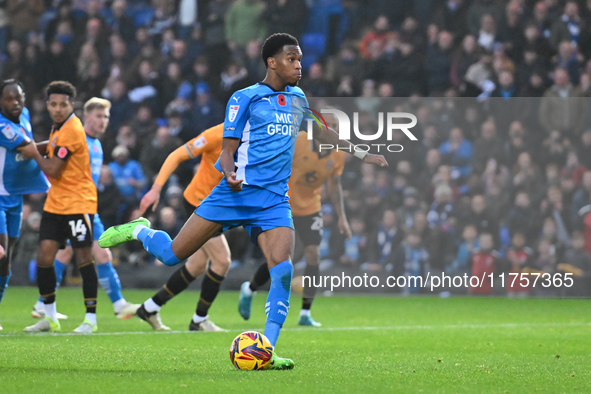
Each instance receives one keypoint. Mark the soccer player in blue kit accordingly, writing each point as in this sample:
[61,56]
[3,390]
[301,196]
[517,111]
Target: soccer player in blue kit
[96,120]
[18,175]
[260,129]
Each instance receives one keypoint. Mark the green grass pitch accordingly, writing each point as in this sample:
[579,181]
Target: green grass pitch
[405,345]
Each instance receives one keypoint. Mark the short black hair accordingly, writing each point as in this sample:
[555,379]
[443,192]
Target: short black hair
[61,87]
[8,82]
[274,44]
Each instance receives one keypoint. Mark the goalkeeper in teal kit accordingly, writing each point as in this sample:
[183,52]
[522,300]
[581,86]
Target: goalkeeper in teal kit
[260,129]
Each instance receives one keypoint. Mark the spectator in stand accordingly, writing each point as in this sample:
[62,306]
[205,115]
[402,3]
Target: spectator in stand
[457,152]
[355,249]
[451,16]
[461,264]
[568,27]
[480,217]
[233,78]
[244,23]
[252,62]
[553,114]
[477,9]
[410,259]
[109,198]
[438,63]
[155,153]
[487,147]
[580,200]
[285,16]
[315,85]
[384,242]
[168,221]
[519,257]
[487,35]
[374,42]
[577,262]
[128,176]
[483,263]
[207,111]
[119,22]
[523,218]
[569,59]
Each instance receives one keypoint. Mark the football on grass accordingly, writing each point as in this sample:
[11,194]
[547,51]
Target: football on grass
[251,351]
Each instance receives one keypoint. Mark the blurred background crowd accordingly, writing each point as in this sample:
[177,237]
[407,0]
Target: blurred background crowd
[500,176]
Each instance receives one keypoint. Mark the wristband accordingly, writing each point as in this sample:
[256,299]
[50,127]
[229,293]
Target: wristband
[360,155]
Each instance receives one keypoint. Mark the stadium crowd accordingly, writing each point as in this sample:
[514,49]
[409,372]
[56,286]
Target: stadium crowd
[502,169]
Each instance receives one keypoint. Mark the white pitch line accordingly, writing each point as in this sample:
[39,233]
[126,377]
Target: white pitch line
[321,329]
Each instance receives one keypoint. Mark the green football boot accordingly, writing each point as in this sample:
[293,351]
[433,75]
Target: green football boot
[278,363]
[122,233]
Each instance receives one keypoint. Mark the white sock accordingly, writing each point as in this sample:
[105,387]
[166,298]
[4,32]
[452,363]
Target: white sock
[305,312]
[91,317]
[137,230]
[51,311]
[199,319]
[151,306]
[247,290]
[39,305]
[117,305]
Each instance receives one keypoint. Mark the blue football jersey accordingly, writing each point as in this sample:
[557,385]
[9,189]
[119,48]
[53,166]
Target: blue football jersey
[95,149]
[18,175]
[267,123]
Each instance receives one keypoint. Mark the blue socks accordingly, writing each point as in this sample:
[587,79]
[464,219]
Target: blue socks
[4,284]
[158,244]
[277,304]
[59,274]
[109,280]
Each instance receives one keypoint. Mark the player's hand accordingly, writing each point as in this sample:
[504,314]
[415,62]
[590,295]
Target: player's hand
[235,184]
[29,151]
[378,160]
[344,227]
[151,199]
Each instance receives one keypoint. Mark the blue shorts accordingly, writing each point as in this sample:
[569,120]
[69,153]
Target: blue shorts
[11,214]
[254,208]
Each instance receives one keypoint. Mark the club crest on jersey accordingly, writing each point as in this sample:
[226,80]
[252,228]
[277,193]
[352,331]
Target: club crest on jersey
[233,112]
[8,132]
[54,141]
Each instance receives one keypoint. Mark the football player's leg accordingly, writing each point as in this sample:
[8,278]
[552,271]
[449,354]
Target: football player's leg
[312,255]
[46,278]
[218,251]
[60,263]
[149,311]
[109,280]
[192,236]
[277,246]
[87,271]
[260,277]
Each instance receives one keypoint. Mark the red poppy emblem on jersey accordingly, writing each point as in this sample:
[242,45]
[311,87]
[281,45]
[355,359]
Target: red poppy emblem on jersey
[95,149]
[281,100]
[62,153]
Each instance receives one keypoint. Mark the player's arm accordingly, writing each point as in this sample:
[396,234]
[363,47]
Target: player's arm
[171,163]
[229,148]
[335,191]
[52,167]
[329,136]
[42,147]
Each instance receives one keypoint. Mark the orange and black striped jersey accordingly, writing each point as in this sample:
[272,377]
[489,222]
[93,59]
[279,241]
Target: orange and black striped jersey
[74,191]
[308,172]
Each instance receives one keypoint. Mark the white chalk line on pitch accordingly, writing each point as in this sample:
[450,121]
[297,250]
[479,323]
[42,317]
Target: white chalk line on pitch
[318,329]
